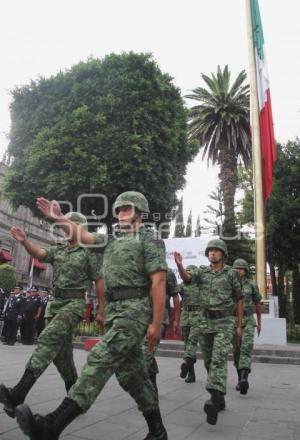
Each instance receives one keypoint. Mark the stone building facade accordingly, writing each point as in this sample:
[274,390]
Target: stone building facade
[37,230]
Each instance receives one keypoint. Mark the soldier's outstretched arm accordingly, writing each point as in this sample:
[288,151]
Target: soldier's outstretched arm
[240,314]
[158,290]
[35,251]
[51,210]
[184,275]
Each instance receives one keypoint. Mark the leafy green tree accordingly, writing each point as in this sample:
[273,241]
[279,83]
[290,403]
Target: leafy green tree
[221,125]
[7,277]
[102,127]
[198,230]
[189,225]
[179,222]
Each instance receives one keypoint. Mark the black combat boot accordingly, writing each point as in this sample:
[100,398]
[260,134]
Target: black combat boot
[191,376]
[213,406]
[222,402]
[157,430]
[47,427]
[238,387]
[185,366]
[12,397]
[244,385]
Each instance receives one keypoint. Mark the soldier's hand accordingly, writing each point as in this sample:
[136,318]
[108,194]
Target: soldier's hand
[153,336]
[100,321]
[239,332]
[258,327]
[178,258]
[18,234]
[50,209]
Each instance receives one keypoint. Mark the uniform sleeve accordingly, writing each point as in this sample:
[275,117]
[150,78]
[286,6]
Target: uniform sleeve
[95,265]
[236,286]
[196,276]
[256,296]
[50,255]
[100,242]
[155,255]
[172,286]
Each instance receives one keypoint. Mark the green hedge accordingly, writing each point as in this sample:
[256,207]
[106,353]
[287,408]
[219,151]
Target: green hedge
[87,329]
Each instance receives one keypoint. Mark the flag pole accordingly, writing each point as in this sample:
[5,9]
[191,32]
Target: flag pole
[259,220]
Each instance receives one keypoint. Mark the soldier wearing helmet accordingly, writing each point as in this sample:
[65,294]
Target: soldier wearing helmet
[74,269]
[242,349]
[134,267]
[220,295]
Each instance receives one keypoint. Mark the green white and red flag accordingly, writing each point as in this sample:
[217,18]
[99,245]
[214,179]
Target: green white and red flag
[267,139]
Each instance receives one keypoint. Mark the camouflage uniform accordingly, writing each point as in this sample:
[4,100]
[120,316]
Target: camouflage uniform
[151,364]
[190,317]
[74,268]
[128,262]
[242,350]
[219,292]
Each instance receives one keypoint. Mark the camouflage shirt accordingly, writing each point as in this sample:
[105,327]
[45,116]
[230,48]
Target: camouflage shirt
[220,289]
[130,257]
[190,292]
[73,267]
[172,285]
[251,295]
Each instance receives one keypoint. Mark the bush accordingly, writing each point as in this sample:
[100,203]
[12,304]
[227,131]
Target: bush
[7,277]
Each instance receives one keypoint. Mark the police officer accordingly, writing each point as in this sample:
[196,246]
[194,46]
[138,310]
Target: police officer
[220,293]
[190,326]
[242,348]
[32,310]
[13,312]
[133,266]
[74,268]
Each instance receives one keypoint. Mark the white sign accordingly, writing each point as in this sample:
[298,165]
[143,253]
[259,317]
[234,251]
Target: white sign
[192,250]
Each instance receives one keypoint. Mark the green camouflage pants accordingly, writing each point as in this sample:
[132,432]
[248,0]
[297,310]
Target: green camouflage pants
[55,343]
[242,351]
[190,327]
[149,356]
[215,347]
[119,352]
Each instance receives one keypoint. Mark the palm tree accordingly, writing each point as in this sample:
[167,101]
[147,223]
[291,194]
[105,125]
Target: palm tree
[221,124]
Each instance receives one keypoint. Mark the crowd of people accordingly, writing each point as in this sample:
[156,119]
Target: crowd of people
[22,314]
[132,282]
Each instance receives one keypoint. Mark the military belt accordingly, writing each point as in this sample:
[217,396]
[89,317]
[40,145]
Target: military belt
[126,293]
[192,308]
[217,314]
[69,293]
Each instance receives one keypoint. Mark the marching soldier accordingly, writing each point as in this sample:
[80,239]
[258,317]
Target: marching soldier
[12,314]
[242,349]
[74,268]
[133,266]
[220,293]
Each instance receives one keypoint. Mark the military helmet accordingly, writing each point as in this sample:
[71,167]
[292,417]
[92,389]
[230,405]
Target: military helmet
[218,244]
[132,198]
[78,218]
[239,263]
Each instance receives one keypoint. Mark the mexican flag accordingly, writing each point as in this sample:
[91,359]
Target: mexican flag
[268,146]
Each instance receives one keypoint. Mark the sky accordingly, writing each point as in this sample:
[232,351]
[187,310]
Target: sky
[40,38]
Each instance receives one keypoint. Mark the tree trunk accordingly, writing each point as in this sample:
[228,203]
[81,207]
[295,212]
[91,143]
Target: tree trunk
[281,293]
[296,293]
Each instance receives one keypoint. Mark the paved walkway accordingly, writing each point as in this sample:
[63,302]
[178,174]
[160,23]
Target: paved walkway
[271,410]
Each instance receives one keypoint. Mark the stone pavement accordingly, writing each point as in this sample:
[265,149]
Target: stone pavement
[271,410]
